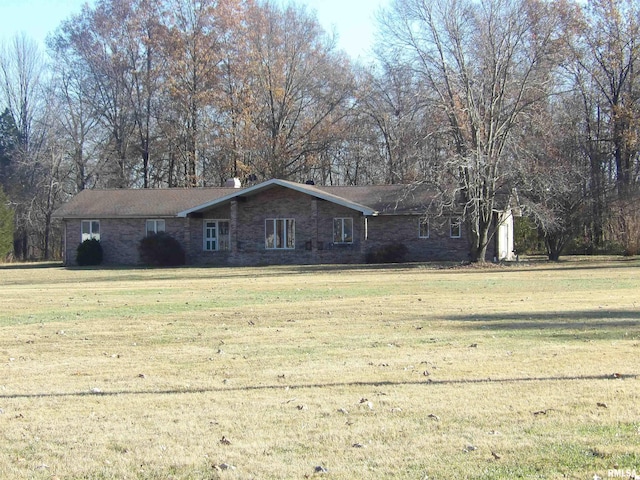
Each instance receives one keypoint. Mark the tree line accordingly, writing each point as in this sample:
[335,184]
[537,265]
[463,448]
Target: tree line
[528,104]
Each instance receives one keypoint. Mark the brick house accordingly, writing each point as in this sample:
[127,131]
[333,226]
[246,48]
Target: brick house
[273,222]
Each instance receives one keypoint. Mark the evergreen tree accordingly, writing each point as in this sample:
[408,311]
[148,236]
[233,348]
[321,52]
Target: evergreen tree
[6,225]
[9,141]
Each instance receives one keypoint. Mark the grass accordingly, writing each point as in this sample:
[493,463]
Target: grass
[410,372]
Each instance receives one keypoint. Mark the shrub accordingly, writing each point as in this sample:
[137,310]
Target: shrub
[161,250]
[393,253]
[89,252]
[527,237]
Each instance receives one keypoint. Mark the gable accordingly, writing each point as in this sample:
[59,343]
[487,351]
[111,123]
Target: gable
[310,190]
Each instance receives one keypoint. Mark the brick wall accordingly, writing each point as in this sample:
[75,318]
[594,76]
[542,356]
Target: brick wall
[119,238]
[313,234]
[390,230]
[313,231]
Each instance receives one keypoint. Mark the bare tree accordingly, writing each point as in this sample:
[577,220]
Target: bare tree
[193,52]
[77,115]
[553,171]
[487,64]
[21,77]
[300,88]
[392,102]
[606,56]
[609,55]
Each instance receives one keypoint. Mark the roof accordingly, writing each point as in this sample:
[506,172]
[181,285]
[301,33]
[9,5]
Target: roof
[387,199]
[168,202]
[136,203]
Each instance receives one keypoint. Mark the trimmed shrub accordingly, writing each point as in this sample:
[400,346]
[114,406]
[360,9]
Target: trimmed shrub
[161,250]
[393,253]
[89,253]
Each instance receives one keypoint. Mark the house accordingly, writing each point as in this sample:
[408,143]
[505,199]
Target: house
[273,222]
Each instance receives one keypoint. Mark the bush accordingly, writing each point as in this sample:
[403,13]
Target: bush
[393,253]
[161,250]
[527,237]
[89,252]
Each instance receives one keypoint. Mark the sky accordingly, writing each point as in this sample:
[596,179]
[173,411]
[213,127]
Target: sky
[352,20]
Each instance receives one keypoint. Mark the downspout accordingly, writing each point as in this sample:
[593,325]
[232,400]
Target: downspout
[64,244]
[314,216]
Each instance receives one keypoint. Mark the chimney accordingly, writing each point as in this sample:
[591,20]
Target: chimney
[233,183]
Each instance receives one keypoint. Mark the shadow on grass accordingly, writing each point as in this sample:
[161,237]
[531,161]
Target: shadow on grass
[104,273]
[384,383]
[30,265]
[551,320]
[200,272]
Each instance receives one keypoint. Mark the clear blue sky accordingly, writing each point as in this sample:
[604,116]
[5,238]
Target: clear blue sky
[352,19]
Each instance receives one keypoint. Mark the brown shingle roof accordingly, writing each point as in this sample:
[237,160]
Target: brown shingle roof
[150,202]
[386,199]
[132,203]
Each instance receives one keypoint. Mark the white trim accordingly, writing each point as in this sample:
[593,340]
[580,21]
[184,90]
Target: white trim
[455,221]
[342,221]
[218,239]
[286,241]
[156,222]
[422,221]
[91,233]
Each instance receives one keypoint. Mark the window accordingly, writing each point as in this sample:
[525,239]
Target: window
[280,233]
[154,226]
[216,235]
[423,228]
[454,227]
[343,230]
[90,229]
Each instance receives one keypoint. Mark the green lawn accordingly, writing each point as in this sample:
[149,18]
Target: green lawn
[410,372]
